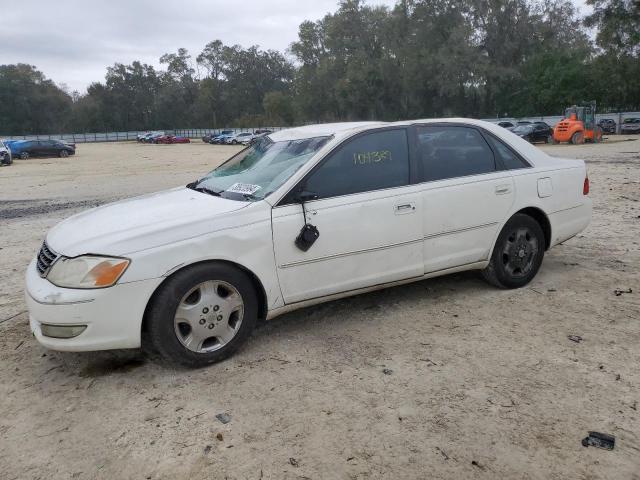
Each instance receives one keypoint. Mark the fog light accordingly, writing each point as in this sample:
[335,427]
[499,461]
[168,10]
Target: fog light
[62,331]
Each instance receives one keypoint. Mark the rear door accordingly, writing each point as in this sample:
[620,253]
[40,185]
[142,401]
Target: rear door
[466,195]
[367,213]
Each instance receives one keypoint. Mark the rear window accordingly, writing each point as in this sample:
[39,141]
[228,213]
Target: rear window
[452,151]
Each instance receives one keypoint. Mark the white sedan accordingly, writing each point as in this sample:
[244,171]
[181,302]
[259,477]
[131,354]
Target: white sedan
[301,217]
[240,138]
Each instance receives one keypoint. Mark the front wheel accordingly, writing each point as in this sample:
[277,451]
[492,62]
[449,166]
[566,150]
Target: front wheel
[202,314]
[6,159]
[24,155]
[518,253]
[64,154]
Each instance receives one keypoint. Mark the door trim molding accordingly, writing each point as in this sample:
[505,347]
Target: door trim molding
[289,307]
[460,230]
[346,254]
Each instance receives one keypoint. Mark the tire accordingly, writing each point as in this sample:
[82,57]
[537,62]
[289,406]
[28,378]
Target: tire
[577,138]
[63,154]
[548,139]
[229,308]
[24,155]
[518,253]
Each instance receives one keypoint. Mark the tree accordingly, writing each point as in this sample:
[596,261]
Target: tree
[31,103]
[278,108]
[618,24]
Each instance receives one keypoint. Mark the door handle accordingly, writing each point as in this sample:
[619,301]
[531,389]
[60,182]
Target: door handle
[405,208]
[503,189]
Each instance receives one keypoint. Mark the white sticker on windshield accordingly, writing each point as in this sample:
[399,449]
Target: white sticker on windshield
[244,188]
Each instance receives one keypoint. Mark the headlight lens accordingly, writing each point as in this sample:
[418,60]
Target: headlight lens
[87,271]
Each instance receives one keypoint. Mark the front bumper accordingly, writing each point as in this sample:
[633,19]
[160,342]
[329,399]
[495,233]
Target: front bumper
[113,316]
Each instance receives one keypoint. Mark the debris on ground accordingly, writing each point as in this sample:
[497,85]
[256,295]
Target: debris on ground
[387,371]
[619,292]
[219,437]
[600,440]
[293,462]
[575,338]
[207,449]
[223,418]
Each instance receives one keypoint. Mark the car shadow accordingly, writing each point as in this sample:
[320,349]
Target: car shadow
[384,299]
[117,362]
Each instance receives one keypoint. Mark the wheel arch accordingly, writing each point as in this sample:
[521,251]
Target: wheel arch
[262,295]
[539,216]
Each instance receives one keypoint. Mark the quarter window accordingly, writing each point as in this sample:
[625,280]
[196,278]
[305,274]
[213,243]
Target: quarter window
[372,161]
[510,160]
[450,152]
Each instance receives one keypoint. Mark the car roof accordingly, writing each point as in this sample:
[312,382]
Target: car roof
[321,130]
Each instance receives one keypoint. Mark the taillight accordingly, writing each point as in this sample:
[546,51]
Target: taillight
[585,187]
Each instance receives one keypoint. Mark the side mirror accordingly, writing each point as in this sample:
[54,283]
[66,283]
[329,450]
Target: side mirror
[305,196]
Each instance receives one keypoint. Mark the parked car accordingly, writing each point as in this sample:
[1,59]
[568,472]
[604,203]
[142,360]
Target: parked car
[248,139]
[303,216]
[534,132]
[262,131]
[150,137]
[222,137]
[239,138]
[607,125]
[41,148]
[169,139]
[630,125]
[5,155]
[145,137]
[507,125]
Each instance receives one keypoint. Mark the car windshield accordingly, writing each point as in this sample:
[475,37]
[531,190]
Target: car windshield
[632,120]
[522,129]
[259,170]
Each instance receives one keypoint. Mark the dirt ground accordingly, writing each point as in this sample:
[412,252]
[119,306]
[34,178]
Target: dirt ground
[445,378]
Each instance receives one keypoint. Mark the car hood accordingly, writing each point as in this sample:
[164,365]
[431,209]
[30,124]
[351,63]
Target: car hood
[140,223]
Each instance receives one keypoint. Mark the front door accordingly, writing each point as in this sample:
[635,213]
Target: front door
[368,215]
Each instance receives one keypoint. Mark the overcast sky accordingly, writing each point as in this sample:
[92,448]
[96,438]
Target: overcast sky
[73,41]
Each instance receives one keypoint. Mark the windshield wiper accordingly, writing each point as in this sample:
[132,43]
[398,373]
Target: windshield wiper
[194,186]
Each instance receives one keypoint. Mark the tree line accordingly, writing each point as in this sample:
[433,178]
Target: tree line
[421,58]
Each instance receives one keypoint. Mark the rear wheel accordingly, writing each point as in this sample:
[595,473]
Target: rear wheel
[202,314]
[517,255]
[577,138]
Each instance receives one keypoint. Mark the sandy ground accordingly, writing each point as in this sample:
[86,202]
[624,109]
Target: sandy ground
[480,383]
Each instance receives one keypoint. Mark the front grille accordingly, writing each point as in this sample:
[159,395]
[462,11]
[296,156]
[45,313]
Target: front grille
[45,259]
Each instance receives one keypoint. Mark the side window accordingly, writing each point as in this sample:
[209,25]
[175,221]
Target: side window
[372,161]
[510,160]
[450,152]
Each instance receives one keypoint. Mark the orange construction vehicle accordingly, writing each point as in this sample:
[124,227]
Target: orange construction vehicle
[578,125]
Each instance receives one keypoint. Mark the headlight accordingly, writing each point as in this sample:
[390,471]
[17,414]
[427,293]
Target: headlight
[87,271]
